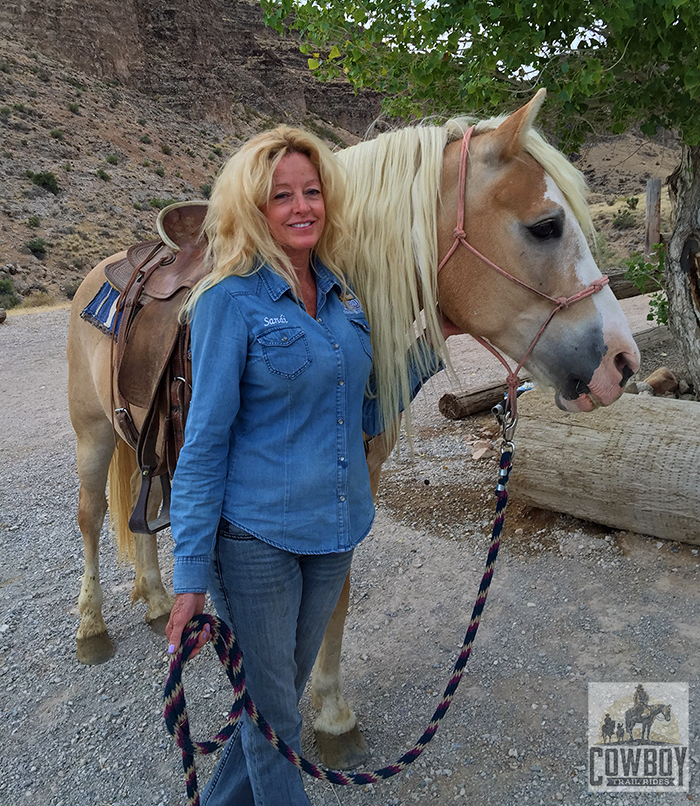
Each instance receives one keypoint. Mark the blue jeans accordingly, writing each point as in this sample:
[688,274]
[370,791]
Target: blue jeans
[278,604]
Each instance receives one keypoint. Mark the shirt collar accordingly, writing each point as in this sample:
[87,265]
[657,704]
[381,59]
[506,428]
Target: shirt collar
[325,279]
[277,286]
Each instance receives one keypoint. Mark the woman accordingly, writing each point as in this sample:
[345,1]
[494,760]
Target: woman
[271,492]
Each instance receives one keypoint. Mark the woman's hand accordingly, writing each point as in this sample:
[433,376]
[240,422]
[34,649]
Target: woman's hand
[185,606]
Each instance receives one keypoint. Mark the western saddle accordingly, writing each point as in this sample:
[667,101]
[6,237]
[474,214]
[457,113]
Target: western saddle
[150,348]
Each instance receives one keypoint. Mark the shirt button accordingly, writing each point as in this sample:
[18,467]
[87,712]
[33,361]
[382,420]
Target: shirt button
[341,421]
[341,383]
[341,458]
[336,346]
[319,319]
[284,338]
[342,498]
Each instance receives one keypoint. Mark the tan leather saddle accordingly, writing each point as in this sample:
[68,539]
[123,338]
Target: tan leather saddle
[150,357]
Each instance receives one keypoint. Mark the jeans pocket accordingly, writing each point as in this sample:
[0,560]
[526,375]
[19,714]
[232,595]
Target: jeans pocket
[231,532]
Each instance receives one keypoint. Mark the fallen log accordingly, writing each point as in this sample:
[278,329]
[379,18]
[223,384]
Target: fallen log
[653,337]
[457,405]
[623,288]
[633,466]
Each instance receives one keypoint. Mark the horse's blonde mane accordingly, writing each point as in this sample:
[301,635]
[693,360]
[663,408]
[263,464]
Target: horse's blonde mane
[393,188]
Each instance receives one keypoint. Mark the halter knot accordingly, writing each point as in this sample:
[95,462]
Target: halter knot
[563,303]
[459,234]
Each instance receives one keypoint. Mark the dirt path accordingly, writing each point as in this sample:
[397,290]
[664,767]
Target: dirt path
[571,603]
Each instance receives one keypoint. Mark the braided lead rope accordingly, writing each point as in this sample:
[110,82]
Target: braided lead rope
[175,707]
[226,645]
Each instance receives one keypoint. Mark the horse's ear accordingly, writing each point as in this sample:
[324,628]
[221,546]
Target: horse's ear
[508,137]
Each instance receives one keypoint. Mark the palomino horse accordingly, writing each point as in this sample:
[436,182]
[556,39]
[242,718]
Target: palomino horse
[524,209]
[646,718]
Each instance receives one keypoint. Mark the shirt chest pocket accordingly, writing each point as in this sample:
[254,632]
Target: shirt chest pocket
[285,351]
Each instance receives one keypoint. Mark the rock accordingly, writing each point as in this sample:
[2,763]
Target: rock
[683,387]
[482,451]
[3,315]
[662,380]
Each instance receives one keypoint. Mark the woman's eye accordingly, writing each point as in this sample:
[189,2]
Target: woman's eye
[546,230]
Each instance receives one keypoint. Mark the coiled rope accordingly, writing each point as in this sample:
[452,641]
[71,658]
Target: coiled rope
[226,646]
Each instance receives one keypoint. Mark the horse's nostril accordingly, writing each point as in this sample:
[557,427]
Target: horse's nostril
[581,388]
[623,367]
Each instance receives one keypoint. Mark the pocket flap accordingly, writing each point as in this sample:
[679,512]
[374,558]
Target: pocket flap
[281,337]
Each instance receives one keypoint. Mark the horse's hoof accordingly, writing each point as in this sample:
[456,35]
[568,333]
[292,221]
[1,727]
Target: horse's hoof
[343,752]
[94,649]
[158,624]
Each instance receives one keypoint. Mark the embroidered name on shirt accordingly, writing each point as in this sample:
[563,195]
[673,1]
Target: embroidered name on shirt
[280,320]
[351,303]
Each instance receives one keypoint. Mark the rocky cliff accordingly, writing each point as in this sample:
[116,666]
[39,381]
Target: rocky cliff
[207,57]
[110,110]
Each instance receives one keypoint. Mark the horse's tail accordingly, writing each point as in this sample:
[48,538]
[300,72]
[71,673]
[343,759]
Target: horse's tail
[121,470]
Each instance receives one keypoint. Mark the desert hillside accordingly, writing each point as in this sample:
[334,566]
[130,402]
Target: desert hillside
[86,163]
[91,145]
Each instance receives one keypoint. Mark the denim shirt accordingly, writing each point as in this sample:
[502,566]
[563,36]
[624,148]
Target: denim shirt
[273,440]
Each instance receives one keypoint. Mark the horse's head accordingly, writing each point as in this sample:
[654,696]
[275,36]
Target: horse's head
[524,209]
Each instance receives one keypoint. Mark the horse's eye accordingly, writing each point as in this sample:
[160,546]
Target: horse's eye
[546,230]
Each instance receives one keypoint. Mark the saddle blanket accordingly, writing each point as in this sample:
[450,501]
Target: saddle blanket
[102,310]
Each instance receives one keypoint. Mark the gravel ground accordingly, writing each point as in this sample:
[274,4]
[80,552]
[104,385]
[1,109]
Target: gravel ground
[571,603]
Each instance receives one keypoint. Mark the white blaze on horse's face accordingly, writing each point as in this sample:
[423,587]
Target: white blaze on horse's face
[610,330]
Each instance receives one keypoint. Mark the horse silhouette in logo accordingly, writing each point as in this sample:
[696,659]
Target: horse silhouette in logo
[644,713]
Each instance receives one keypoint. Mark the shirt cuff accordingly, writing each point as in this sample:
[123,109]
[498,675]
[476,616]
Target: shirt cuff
[191,574]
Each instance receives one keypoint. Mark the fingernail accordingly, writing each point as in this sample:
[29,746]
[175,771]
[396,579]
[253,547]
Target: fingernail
[171,649]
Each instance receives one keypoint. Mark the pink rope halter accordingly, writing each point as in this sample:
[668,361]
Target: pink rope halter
[560,303]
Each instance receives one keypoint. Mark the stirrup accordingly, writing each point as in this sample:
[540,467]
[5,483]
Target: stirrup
[138,522]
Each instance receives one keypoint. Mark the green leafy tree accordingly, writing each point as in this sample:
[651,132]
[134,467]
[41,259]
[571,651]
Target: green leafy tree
[607,65]
[617,63]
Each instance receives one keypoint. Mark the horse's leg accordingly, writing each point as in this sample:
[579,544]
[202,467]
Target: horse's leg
[94,452]
[148,584]
[340,743]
